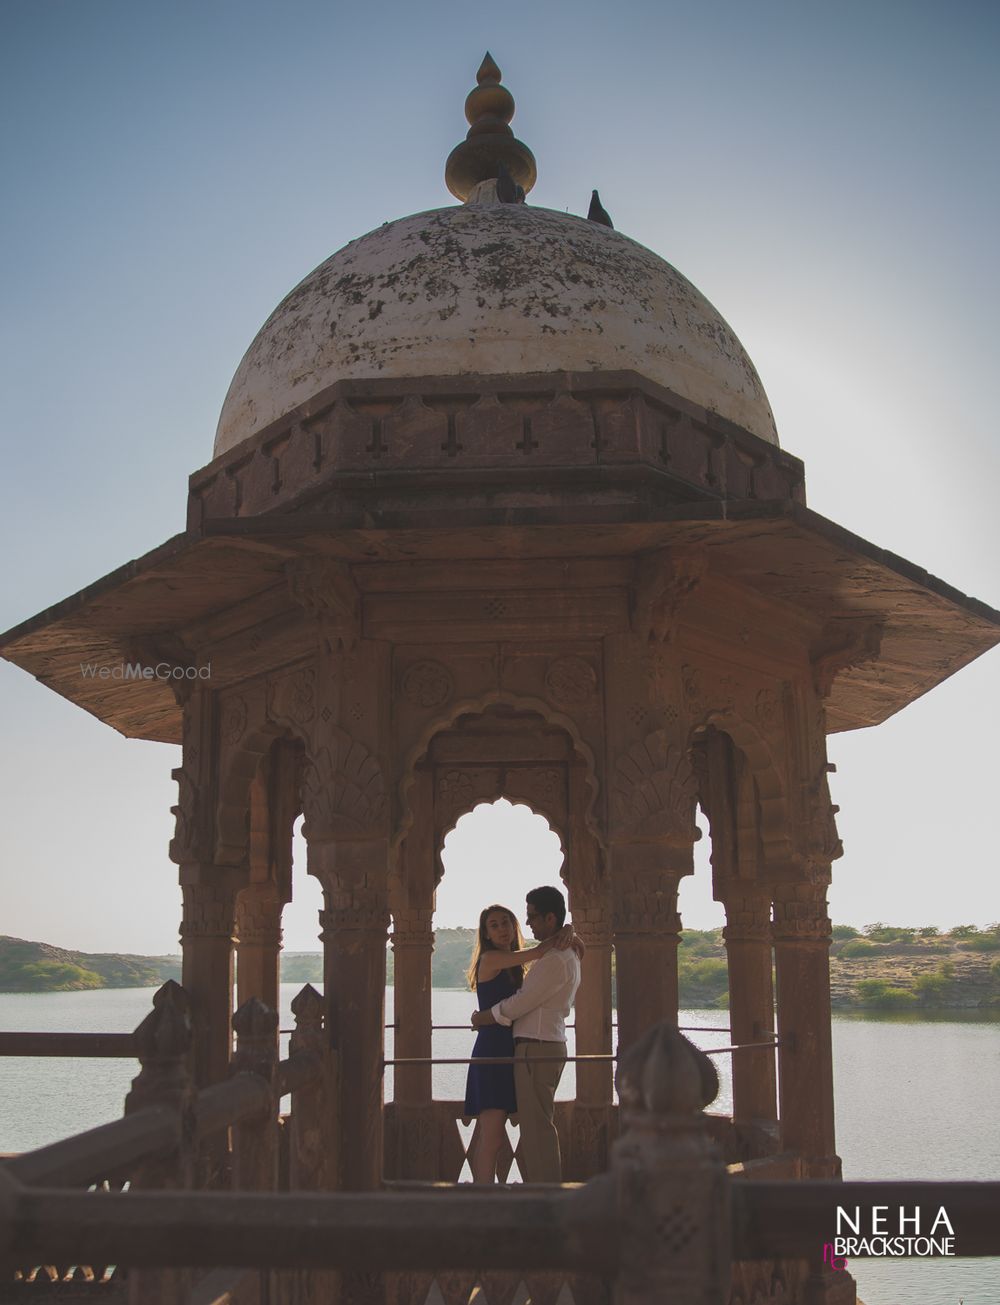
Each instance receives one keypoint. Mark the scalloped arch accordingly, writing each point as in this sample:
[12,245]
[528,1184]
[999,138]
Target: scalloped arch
[775,813]
[476,706]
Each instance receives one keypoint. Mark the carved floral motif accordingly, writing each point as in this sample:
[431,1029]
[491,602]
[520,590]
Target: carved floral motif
[570,681]
[291,699]
[456,792]
[427,684]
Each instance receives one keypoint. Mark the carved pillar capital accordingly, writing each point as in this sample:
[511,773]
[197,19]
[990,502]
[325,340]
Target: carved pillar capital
[645,902]
[748,916]
[412,928]
[800,913]
[355,913]
[258,915]
[209,911]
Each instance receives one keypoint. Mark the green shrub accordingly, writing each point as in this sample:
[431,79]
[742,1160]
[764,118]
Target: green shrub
[704,981]
[930,931]
[58,976]
[843,931]
[859,947]
[889,933]
[875,992]
[964,931]
[984,942]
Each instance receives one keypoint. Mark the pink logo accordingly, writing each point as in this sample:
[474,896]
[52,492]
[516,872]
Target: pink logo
[834,1261]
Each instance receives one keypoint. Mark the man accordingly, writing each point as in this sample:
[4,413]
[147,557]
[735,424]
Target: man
[538,1013]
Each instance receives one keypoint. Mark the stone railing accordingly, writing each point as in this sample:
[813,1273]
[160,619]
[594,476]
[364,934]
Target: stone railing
[667,1222]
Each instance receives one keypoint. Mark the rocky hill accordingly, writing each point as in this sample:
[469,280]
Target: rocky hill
[40,967]
[884,968]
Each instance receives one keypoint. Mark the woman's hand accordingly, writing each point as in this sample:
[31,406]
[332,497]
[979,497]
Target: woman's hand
[563,939]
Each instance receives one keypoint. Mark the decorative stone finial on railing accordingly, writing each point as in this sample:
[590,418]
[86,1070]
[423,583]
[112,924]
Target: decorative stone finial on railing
[162,1042]
[256,1026]
[490,150]
[308,1008]
[665,1076]
[672,1185]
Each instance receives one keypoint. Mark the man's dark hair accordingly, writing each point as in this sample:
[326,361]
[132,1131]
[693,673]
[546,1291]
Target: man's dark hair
[548,901]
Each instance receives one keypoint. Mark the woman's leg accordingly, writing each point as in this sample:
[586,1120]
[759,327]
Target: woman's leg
[486,1142]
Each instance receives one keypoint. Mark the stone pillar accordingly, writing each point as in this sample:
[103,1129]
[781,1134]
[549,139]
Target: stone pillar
[207,936]
[651,796]
[412,947]
[258,953]
[805,1057]
[647,929]
[593,1013]
[751,1003]
[354,928]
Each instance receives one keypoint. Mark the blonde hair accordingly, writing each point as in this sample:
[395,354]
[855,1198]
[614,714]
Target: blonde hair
[485,944]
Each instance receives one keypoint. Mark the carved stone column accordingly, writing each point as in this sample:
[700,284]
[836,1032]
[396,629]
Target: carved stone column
[651,796]
[258,953]
[207,936]
[412,946]
[647,930]
[751,1003]
[587,881]
[354,928]
[805,1057]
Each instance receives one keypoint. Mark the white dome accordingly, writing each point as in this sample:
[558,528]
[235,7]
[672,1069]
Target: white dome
[492,289]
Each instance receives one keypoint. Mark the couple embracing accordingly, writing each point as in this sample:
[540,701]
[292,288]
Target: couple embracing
[524,997]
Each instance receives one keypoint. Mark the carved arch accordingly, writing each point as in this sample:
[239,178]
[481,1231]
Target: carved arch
[477,706]
[536,808]
[240,766]
[776,839]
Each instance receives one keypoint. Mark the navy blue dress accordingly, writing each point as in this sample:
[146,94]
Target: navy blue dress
[491,1087]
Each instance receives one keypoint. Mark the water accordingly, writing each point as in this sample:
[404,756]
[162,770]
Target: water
[915,1099]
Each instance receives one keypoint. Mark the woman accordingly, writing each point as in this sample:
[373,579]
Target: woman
[495,971]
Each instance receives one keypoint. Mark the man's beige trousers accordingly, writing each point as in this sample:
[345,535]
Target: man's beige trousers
[536,1076]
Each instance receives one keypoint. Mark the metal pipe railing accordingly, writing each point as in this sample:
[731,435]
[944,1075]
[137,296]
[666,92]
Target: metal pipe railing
[563,1060]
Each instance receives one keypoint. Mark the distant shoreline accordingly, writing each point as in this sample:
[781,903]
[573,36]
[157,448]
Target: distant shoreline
[887,968]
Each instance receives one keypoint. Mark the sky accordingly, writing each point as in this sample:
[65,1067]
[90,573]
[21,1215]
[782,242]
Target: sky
[826,175]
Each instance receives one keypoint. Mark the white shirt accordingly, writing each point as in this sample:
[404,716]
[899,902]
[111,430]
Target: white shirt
[539,1008]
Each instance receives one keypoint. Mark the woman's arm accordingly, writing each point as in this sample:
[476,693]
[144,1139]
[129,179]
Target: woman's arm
[491,963]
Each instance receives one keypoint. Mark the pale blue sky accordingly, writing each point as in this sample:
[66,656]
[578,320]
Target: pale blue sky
[827,175]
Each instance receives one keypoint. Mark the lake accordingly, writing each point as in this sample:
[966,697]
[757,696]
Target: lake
[916,1099]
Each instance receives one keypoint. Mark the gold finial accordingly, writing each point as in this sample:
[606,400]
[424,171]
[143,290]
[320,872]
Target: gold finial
[490,144]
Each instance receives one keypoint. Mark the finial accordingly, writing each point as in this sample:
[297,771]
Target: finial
[490,144]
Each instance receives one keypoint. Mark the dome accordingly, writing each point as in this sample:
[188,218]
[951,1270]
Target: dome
[492,288]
